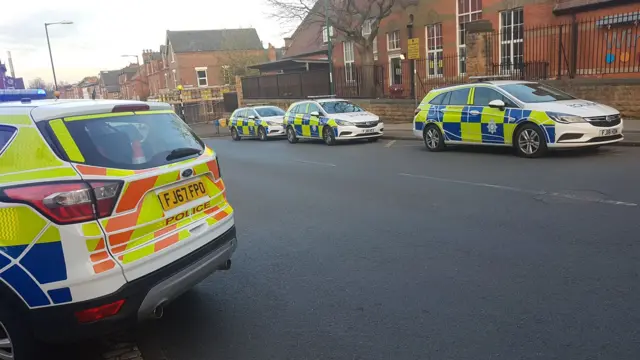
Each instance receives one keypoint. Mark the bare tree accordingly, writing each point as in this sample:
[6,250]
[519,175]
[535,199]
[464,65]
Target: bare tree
[237,62]
[39,83]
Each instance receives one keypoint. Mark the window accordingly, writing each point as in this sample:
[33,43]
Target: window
[511,39]
[468,10]
[438,100]
[6,134]
[434,50]
[393,40]
[340,107]
[313,107]
[325,39]
[109,142]
[482,96]
[349,62]
[201,75]
[366,27]
[535,93]
[295,109]
[269,111]
[459,97]
[375,48]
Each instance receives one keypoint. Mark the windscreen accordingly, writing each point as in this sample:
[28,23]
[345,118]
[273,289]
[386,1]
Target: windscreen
[135,141]
[269,111]
[535,93]
[339,107]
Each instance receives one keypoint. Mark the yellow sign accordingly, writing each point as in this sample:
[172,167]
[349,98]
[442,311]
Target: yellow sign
[414,49]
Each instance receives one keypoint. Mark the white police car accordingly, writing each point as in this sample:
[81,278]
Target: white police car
[530,116]
[254,121]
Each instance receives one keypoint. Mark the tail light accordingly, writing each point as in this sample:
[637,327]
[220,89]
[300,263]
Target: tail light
[100,312]
[70,202]
[416,111]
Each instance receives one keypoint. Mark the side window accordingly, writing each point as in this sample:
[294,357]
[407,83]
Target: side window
[251,112]
[484,95]
[294,110]
[313,107]
[438,99]
[459,97]
[6,133]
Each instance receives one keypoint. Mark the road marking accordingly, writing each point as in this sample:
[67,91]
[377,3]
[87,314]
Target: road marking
[315,163]
[390,143]
[525,191]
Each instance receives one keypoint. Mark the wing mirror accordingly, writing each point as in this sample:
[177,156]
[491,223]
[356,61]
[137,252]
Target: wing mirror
[252,117]
[315,113]
[497,104]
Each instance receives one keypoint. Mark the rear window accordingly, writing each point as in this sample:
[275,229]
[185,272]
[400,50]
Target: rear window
[136,141]
[6,133]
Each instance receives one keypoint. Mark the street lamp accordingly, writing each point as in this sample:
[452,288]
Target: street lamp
[135,56]
[46,30]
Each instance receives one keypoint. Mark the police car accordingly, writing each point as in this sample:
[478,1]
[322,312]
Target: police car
[256,121]
[530,116]
[331,120]
[108,211]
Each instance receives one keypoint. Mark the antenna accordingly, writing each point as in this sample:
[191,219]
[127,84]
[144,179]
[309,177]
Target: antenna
[13,74]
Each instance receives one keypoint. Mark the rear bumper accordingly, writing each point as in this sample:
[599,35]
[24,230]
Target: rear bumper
[58,323]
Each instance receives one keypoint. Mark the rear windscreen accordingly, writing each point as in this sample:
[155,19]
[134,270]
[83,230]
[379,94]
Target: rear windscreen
[135,141]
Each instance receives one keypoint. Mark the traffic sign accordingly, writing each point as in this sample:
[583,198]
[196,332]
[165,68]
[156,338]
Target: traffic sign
[414,49]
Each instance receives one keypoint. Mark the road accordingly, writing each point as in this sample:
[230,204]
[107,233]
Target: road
[387,251]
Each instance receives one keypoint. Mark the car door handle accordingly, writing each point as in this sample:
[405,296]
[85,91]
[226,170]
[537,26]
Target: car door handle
[443,110]
[474,112]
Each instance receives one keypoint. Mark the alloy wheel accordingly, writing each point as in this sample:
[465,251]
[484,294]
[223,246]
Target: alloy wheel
[529,141]
[6,346]
[432,138]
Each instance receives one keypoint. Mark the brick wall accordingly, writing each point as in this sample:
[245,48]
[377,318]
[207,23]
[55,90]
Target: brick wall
[186,64]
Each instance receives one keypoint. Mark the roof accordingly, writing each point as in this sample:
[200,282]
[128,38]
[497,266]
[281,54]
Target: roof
[284,63]
[214,40]
[110,80]
[307,38]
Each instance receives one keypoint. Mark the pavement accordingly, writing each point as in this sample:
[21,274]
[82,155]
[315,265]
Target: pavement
[387,251]
[403,132]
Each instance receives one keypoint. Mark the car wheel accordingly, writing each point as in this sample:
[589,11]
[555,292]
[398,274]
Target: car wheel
[234,134]
[291,135]
[433,139]
[373,139]
[530,141]
[262,134]
[16,341]
[328,136]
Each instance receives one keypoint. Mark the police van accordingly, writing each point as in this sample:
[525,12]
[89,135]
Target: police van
[108,211]
[529,116]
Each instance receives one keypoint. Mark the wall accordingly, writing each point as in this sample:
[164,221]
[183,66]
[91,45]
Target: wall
[186,64]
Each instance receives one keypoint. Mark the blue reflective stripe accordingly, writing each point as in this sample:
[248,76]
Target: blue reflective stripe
[25,286]
[59,296]
[46,262]
[13,251]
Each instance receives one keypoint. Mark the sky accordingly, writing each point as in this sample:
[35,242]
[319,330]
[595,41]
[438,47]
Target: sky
[103,31]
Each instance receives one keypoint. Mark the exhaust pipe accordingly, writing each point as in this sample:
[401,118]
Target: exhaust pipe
[226,265]
[158,311]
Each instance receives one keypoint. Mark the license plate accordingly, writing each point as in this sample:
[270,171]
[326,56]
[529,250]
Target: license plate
[181,195]
[608,132]
[366,131]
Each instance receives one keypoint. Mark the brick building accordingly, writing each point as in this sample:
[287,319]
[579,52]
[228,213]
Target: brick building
[210,57]
[109,84]
[156,67]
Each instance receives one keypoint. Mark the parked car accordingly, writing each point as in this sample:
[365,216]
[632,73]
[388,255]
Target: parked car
[262,122]
[530,116]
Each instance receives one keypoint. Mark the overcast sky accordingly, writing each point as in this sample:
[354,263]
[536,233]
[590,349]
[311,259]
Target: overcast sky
[105,30]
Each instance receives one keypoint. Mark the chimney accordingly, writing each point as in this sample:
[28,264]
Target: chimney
[271,53]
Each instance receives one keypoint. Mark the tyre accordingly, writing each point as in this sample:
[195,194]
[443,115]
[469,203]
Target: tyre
[530,141]
[262,134]
[328,136]
[234,134]
[291,135]
[433,139]
[16,341]
[373,139]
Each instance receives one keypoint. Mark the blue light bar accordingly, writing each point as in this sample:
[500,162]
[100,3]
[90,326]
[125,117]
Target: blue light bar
[18,95]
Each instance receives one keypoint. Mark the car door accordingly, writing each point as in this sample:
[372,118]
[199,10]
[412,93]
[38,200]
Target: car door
[253,121]
[315,122]
[238,121]
[301,118]
[491,120]
[454,116]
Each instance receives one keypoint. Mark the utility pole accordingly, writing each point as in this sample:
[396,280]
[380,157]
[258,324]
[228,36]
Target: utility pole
[46,30]
[329,45]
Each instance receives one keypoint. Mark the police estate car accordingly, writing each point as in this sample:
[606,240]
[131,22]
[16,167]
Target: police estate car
[108,211]
[529,116]
[331,120]
[260,122]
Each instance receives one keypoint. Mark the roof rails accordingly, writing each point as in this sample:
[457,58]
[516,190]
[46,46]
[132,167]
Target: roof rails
[321,96]
[483,78]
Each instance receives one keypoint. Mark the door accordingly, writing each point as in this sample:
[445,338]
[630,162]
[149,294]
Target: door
[491,120]
[396,71]
[315,123]
[252,124]
[165,186]
[454,116]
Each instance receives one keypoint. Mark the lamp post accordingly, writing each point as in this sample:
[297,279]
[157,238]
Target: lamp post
[135,56]
[46,30]
[329,45]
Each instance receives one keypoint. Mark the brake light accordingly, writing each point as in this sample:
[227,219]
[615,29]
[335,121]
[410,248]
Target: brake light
[130,107]
[70,202]
[416,111]
[100,312]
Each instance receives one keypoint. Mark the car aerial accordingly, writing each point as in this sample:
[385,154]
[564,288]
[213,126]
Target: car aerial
[331,120]
[257,121]
[109,210]
[530,116]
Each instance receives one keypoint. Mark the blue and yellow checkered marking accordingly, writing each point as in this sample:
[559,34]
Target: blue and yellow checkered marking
[248,127]
[307,126]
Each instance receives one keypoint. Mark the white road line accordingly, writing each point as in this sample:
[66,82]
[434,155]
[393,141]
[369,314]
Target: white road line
[390,143]
[315,163]
[525,191]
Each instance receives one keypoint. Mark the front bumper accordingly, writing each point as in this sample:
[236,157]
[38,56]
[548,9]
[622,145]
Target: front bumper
[276,130]
[355,132]
[585,134]
[58,323]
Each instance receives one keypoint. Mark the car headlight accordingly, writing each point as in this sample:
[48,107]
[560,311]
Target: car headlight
[344,123]
[565,118]
[272,123]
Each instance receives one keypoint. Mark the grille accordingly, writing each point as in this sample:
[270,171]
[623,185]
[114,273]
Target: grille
[605,121]
[368,124]
[605,138]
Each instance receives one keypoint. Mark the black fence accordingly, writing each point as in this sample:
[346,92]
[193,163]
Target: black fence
[289,85]
[202,111]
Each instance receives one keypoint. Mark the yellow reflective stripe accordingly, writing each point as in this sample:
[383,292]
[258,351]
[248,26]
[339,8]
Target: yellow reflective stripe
[92,244]
[201,169]
[27,151]
[138,254]
[97,116]
[66,140]
[19,225]
[150,210]
[472,93]
[38,175]
[151,112]
[166,178]
[52,234]
[91,229]
[183,234]
[120,172]
[139,241]
[15,119]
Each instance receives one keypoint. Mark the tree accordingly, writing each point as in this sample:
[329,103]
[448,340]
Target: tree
[39,83]
[237,62]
